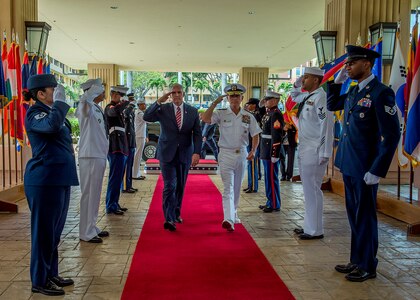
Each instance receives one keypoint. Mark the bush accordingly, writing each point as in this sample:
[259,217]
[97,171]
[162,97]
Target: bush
[75,130]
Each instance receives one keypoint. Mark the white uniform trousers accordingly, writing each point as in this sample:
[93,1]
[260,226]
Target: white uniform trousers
[232,170]
[312,173]
[91,176]
[140,142]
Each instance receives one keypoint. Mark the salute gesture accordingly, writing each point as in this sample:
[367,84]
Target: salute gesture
[164,98]
[219,99]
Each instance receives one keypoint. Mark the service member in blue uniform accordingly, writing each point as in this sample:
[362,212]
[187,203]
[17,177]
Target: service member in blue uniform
[270,147]
[130,133]
[49,174]
[253,107]
[367,145]
[118,148]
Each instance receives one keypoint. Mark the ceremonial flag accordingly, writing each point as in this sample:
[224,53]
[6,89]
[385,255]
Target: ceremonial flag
[2,89]
[6,88]
[412,137]
[333,68]
[410,63]
[377,66]
[397,84]
[34,65]
[40,68]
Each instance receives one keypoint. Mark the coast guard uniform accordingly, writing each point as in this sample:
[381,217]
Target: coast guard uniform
[316,137]
[48,177]
[118,150]
[271,137]
[140,126]
[93,150]
[234,137]
[366,148]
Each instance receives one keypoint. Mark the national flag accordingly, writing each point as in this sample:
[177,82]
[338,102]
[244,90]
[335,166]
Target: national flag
[412,136]
[410,63]
[5,99]
[333,68]
[34,65]
[377,66]
[2,89]
[40,68]
[397,84]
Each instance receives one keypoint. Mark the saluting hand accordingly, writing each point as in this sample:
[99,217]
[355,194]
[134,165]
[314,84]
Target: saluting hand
[219,99]
[164,98]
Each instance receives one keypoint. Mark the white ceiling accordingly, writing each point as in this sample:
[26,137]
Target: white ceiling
[183,35]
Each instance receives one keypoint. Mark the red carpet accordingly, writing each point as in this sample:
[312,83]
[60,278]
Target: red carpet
[201,260]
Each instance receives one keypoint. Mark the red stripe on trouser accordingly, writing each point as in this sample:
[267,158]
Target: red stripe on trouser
[273,192]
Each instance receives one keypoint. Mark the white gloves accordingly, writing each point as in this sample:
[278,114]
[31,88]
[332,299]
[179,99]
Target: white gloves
[298,82]
[92,93]
[124,99]
[371,179]
[274,159]
[59,94]
[342,76]
[323,160]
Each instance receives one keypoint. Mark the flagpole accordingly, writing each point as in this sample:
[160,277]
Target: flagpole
[411,183]
[399,182]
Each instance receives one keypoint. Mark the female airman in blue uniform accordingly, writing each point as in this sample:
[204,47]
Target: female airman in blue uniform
[49,174]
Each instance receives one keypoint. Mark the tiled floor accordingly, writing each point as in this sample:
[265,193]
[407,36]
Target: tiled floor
[306,267]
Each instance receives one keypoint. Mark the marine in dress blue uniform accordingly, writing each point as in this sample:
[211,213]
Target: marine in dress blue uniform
[129,116]
[118,148]
[367,145]
[49,174]
[252,107]
[270,147]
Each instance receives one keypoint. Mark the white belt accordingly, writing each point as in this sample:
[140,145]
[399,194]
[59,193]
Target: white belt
[234,150]
[266,136]
[112,129]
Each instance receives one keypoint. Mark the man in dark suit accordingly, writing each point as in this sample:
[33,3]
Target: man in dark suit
[179,147]
[289,145]
[367,145]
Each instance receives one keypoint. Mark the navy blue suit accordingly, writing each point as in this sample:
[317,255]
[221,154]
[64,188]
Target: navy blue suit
[174,151]
[368,141]
[48,177]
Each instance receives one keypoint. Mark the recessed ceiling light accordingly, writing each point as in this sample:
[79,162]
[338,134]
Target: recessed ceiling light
[251,12]
[179,26]
[114,7]
[131,43]
[229,47]
[141,59]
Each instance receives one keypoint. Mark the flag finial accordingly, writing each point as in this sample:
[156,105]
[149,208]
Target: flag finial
[359,40]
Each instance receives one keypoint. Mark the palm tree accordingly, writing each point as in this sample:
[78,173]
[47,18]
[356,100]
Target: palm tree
[157,82]
[201,85]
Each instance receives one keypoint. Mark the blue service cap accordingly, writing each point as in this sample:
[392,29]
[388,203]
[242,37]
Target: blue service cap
[357,52]
[41,81]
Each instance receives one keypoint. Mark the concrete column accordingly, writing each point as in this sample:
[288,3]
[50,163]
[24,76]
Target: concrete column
[107,72]
[130,81]
[255,81]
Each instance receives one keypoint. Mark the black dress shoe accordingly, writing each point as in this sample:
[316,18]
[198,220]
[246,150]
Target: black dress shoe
[134,189]
[247,189]
[359,275]
[298,230]
[250,191]
[62,282]
[179,220]
[139,178]
[123,208]
[283,179]
[345,268]
[118,212]
[305,236]
[269,209]
[262,206]
[103,233]
[95,240]
[129,191]
[50,289]
[169,226]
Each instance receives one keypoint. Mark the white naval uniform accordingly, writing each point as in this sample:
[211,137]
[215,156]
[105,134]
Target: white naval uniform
[234,138]
[93,150]
[140,128]
[315,129]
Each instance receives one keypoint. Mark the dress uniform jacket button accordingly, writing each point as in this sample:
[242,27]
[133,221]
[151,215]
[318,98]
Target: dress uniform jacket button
[347,123]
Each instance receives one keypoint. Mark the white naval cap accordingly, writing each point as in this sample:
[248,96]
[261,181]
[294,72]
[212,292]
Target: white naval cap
[119,89]
[234,89]
[270,94]
[88,84]
[314,71]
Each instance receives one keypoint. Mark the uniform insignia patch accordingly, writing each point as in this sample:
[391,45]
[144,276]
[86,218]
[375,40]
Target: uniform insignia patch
[277,124]
[246,119]
[40,115]
[322,114]
[311,103]
[391,110]
[365,102]
[362,115]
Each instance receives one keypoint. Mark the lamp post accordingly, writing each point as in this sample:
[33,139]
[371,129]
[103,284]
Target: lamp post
[325,46]
[386,31]
[37,37]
